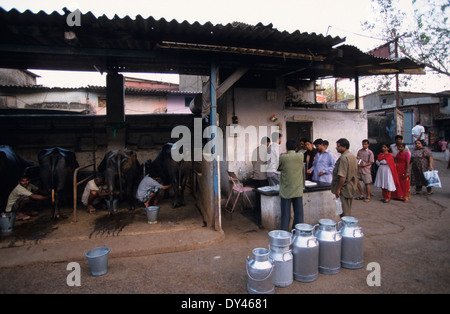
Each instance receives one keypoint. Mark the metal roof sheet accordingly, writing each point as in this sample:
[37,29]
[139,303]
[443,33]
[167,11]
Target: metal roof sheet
[46,41]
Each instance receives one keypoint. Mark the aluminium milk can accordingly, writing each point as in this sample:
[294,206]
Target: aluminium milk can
[352,243]
[260,275]
[305,249]
[329,247]
[281,255]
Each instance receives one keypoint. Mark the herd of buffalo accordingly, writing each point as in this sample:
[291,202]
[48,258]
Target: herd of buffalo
[120,168]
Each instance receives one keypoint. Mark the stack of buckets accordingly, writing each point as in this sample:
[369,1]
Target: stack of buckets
[304,253]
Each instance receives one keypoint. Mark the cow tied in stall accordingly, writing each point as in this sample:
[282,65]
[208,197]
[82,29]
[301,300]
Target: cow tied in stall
[57,166]
[122,173]
[170,171]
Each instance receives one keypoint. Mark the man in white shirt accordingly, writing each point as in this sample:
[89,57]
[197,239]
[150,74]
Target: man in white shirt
[92,193]
[398,141]
[22,196]
[418,132]
[274,151]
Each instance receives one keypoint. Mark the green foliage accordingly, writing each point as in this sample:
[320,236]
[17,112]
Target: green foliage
[420,26]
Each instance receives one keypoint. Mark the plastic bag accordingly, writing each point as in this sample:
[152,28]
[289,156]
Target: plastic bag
[338,207]
[433,178]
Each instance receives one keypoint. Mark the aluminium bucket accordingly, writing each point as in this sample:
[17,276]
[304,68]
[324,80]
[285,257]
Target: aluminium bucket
[152,214]
[98,260]
[7,221]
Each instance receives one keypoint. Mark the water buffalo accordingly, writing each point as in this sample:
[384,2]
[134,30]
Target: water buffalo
[12,166]
[171,172]
[122,172]
[57,166]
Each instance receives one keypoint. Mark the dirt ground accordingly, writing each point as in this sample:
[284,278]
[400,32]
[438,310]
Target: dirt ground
[410,241]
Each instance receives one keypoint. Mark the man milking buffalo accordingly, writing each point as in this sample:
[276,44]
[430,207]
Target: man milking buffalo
[148,190]
[95,193]
[25,197]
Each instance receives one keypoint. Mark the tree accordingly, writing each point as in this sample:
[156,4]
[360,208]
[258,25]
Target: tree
[341,94]
[421,28]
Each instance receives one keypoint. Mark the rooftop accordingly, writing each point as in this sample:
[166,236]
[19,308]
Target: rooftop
[45,41]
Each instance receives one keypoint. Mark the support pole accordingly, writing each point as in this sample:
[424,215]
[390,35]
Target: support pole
[215,164]
[115,110]
[356,92]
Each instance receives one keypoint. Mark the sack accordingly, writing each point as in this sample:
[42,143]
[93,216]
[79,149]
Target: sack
[433,178]
[338,207]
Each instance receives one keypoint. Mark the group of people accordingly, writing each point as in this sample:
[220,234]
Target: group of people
[25,198]
[397,171]
[320,165]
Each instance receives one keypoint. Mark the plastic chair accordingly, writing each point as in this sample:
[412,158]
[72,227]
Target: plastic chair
[237,187]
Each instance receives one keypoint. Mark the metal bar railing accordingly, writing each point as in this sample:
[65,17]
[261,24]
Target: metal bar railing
[75,186]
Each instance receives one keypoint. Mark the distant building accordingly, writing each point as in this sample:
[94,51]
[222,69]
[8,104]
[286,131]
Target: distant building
[431,109]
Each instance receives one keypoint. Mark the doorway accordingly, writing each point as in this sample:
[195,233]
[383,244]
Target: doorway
[298,130]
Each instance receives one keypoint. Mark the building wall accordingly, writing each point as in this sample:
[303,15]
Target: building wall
[58,99]
[253,107]
[16,77]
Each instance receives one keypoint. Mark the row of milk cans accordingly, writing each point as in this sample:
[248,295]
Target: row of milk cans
[304,253]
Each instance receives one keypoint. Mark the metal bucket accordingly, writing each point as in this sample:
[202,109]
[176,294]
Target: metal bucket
[280,238]
[305,249]
[152,214]
[112,208]
[281,255]
[98,260]
[260,275]
[352,243]
[329,247]
[7,221]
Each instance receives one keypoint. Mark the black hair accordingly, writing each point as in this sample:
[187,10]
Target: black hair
[343,142]
[319,141]
[265,140]
[276,136]
[291,145]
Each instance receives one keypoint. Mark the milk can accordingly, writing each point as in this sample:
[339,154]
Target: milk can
[260,275]
[281,254]
[329,247]
[352,243]
[305,249]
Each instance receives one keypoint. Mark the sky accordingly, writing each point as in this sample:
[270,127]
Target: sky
[341,18]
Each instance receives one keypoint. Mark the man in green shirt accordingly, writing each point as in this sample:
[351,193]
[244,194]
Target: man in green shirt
[22,195]
[291,185]
[345,176]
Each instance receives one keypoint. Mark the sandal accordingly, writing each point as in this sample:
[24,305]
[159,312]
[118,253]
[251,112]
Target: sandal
[359,198]
[386,201]
[367,200]
[429,193]
[22,217]
[91,210]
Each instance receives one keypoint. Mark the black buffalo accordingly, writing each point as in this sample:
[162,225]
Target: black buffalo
[171,172]
[122,172]
[57,166]
[12,166]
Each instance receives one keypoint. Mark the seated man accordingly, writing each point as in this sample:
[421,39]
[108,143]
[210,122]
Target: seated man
[148,190]
[22,196]
[93,193]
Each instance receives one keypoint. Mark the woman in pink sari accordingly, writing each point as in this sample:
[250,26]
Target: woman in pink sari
[402,161]
[387,177]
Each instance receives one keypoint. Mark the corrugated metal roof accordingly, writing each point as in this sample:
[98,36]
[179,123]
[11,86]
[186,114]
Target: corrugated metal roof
[142,33]
[45,41]
[128,90]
